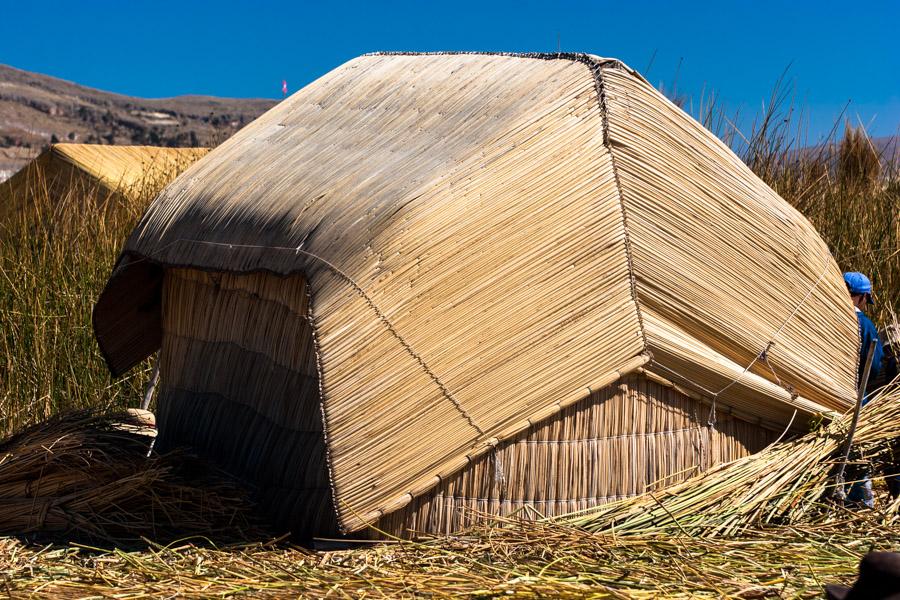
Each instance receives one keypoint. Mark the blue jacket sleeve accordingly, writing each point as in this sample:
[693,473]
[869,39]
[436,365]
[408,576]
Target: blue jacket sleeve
[867,333]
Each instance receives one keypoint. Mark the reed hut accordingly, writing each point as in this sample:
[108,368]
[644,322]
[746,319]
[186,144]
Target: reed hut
[429,283]
[93,174]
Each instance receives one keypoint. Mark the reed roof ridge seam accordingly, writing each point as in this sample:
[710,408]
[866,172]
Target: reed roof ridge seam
[329,467]
[604,499]
[596,68]
[591,60]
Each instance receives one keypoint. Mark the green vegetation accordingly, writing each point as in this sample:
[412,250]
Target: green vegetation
[54,261]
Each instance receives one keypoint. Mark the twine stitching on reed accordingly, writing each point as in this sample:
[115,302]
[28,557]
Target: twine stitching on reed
[581,57]
[545,501]
[359,290]
[328,458]
[597,73]
[638,434]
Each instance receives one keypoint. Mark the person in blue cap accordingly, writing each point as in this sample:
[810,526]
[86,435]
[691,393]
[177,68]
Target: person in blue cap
[860,289]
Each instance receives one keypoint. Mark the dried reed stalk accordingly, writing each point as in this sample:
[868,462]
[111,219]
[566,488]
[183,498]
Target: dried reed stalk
[510,558]
[85,475]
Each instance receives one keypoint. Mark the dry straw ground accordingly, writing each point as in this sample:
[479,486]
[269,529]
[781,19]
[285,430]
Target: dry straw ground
[782,538]
[52,269]
[522,561]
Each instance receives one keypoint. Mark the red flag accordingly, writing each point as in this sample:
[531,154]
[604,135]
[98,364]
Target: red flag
[284,87]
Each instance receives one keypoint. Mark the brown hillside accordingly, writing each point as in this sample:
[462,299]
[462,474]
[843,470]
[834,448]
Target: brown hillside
[37,110]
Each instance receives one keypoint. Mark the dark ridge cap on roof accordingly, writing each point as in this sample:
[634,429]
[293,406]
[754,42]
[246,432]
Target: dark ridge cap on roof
[591,60]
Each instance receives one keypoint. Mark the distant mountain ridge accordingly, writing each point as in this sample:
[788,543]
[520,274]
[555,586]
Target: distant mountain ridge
[37,110]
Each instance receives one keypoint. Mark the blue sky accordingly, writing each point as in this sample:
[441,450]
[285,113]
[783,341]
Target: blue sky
[837,52]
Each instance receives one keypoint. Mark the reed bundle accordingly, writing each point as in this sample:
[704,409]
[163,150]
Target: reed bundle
[786,483]
[91,476]
[91,173]
[139,171]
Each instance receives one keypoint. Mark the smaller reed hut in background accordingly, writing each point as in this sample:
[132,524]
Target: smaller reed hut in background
[101,175]
[431,283]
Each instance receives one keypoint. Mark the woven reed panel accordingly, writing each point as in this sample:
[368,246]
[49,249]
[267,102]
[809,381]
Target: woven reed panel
[621,441]
[91,172]
[239,386]
[722,262]
[464,223]
[504,284]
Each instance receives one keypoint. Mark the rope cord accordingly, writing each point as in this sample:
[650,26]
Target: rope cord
[608,438]
[599,499]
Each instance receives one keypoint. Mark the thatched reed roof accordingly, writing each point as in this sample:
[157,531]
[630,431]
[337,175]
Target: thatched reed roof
[486,239]
[127,167]
[135,172]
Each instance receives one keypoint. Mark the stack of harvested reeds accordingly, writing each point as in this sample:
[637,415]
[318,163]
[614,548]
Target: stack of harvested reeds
[511,559]
[787,483]
[85,475]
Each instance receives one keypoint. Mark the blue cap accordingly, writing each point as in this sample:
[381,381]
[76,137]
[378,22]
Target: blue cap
[858,283]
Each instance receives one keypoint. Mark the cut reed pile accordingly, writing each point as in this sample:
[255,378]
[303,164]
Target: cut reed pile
[787,483]
[518,559]
[94,477]
[646,554]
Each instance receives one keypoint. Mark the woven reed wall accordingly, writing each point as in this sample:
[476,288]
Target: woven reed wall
[629,437]
[239,386]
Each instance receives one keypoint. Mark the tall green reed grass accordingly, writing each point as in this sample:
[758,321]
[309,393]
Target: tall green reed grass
[55,256]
